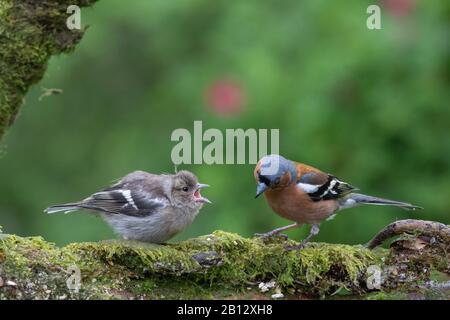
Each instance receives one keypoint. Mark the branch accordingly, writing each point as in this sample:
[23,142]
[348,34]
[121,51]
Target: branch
[31,32]
[219,265]
[423,227]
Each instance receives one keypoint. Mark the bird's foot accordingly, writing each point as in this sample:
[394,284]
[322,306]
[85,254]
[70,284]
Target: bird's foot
[265,237]
[299,246]
[313,232]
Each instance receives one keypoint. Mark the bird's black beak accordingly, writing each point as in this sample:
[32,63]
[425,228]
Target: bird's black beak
[260,189]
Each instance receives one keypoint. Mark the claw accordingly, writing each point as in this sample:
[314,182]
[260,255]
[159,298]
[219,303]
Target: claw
[277,232]
[271,235]
[299,246]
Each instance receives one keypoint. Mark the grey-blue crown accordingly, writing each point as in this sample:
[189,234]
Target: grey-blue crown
[275,166]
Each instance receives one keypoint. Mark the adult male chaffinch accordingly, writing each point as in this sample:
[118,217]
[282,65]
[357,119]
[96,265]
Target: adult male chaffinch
[306,195]
[145,207]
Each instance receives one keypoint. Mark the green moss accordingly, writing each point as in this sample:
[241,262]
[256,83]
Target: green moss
[382,295]
[30,33]
[210,266]
[219,265]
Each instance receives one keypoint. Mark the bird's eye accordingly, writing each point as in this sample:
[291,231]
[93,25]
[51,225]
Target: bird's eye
[185,189]
[264,180]
[277,180]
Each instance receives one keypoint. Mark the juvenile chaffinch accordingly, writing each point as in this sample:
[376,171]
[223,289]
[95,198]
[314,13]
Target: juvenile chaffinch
[145,207]
[307,195]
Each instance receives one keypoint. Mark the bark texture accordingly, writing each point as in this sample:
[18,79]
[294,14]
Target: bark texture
[223,265]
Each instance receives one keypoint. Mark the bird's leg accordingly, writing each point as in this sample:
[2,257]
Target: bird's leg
[277,231]
[313,232]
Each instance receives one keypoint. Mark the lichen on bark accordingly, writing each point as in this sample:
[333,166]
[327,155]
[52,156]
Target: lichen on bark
[31,31]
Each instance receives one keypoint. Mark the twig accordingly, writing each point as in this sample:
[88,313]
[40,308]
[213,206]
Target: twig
[436,285]
[49,92]
[428,228]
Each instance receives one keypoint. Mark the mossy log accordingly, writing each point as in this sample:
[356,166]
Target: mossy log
[223,265]
[31,31]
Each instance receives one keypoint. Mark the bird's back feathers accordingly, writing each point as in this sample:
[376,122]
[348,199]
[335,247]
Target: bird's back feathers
[321,186]
[129,196]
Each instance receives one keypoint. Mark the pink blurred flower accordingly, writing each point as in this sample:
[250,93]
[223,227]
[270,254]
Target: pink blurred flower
[399,8]
[225,97]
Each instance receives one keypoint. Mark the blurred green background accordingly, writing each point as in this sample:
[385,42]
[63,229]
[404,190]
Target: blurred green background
[370,106]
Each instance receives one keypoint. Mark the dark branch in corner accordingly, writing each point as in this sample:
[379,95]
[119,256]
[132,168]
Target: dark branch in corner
[410,226]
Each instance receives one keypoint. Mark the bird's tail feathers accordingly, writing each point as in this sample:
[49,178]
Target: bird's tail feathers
[354,199]
[66,208]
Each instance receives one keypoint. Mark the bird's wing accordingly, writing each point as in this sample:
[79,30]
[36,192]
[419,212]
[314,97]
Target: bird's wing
[322,186]
[123,201]
[140,196]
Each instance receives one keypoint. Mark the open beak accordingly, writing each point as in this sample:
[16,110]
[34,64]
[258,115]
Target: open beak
[260,189]
[198,197]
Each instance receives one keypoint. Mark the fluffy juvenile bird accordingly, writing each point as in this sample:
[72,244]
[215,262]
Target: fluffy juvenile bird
[307,195]
[145,207]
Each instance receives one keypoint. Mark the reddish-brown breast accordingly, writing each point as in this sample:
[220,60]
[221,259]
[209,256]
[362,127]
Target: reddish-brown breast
[294,204]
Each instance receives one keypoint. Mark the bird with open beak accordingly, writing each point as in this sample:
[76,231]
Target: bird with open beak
[145,207]
[306,195]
